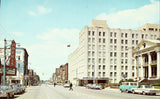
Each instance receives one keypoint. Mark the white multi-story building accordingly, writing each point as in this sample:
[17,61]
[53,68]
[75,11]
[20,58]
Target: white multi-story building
[106,52]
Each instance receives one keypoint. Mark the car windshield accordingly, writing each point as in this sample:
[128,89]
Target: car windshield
[148,86]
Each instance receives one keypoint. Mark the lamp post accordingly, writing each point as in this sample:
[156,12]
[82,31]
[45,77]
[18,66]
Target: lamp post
[4,67]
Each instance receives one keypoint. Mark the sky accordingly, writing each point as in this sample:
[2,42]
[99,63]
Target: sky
[46,27]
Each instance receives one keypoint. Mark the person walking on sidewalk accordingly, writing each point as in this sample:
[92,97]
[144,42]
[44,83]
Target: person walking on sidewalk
[70,87]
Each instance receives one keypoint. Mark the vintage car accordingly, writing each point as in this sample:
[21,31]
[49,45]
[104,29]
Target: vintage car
[127,86]
[145,89]
[6,91]
[66,85]
[93,86]
[18,88]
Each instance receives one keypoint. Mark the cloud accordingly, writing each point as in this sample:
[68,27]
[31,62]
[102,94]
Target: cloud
[133,18]
[19,34]
[52,50]
[40,10]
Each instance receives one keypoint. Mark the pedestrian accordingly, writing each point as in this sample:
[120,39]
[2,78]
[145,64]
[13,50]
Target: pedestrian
[70,87]
[54,84]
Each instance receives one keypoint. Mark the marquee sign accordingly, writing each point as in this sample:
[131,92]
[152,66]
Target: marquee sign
[12,61]
[10,71]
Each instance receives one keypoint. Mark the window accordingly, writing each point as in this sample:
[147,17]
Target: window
[99,47]
[99,40]
[103,40]
[121,34]
[133,74]
[115,41]
[93,33]
[115,74]
[115,54]
[104,60]
[111,54]
[92,66]
[103,33]
[89,47]
[99,60]
[18,57]
[126,35]
[89,66]
[88,73]
[111,61]
[126,67]
[92,74]
[103,74]
[136,35]
[99,54]
[121,41]
[126,61]
[151,29]
[89,53]
[104,67]
[110,34]
[122,61]
[111,40]
[111,67]
[93,53]
[99,33]
[122,67]
[156,29]
[111,47]
[104,47]
[93,60]
[132,41]
[136,41]
[115,61]
[18,65]
[93,40]
[89,40]
[89,60]
[126,54]
[99,67]
[115,47]
[111,74]
[132,67]
[142,36]
[93,47]
[122,55]
[122,48]
[115,67]
[132,35]
[99,74]
[126,41]
[115,34]
[126,48]
[104,54]
[89,33]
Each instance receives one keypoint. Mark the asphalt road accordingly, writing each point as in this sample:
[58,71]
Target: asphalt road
[59,92]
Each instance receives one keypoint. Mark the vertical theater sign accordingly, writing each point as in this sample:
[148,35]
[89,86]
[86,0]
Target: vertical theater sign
[11,67]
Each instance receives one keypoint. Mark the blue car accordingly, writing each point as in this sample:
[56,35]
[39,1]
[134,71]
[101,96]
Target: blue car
[127,86]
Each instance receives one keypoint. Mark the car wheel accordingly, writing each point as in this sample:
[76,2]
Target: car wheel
[133,91]
[127,91]
[121,90]
[143,93]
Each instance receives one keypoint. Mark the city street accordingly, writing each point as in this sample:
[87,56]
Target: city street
[59,92]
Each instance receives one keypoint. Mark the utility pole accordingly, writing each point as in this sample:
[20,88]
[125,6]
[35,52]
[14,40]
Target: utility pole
[137,64]
[4,66]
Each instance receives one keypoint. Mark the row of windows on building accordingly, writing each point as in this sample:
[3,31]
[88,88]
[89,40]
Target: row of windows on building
[114,34]
[99,74]
[114,74]
[99,60]
[103,67]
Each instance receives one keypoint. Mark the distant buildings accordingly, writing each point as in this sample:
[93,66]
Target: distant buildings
[61,74]
[105,53]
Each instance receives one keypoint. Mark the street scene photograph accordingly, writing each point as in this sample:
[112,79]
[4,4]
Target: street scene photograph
[79,49]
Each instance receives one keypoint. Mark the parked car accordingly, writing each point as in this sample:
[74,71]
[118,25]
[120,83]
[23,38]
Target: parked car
[96,86]
[88,86]
[6,91]
[145,89]
[93,86]
[127,86]
[66,85]
[18,88]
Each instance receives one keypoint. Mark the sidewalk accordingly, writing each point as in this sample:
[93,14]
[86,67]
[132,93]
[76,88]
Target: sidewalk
[112,89]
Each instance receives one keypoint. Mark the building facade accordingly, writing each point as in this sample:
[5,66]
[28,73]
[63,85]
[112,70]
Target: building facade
[21,65]
[148,62]
[104,52]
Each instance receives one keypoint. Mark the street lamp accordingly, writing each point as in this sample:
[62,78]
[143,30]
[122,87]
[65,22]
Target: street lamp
[137,64]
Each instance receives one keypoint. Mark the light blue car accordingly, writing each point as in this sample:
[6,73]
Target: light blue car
[127,86]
